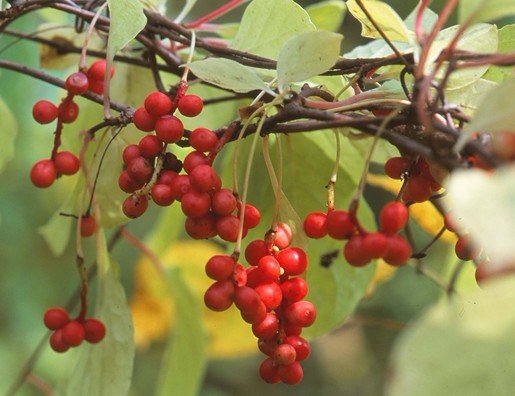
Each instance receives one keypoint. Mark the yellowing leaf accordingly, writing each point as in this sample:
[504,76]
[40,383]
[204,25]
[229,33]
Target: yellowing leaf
[424,213]
[153,307]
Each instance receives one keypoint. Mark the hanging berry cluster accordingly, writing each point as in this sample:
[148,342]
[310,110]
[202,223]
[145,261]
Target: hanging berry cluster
[270,296]
[69,332]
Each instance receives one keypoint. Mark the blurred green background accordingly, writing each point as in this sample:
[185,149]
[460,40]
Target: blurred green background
[352,360]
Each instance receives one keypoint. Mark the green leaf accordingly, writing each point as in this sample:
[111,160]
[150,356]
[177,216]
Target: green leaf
[229,74]
[186,354]
[506,37]
[105,369]
[384,16]
[318,50]
[461,347]
[127,20]
[470,96]
[267,24]
[485,10]
[327,15]
[493,225]
[8,135]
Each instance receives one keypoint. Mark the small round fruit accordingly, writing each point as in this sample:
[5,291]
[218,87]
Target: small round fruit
[158,103]
[97,70]
[314,225]
[88,225]
[190,105]
[44,111]
[203,139]
[66,163]
[134,206]
[77,83]
[95,330]
[43,173]
[73,333]
[55,318]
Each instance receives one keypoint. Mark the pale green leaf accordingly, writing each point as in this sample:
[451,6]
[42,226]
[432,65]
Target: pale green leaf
[105,369]
[267,24]
[485,203]
[316,57]
[8,135]
[506,37]
[327,15]
[470,96]
[228,74]
[461,347]
[185,357]
[384,16]
[127,20]
[429,18]
[485,10]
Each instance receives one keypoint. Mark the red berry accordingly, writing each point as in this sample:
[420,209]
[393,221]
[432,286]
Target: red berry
[203,139]
[268,346]
[127,183]
[130,152]
[375,244]
[55,318]
[418,189]
[355,252]
[269,371]
[393,217]
[190,105]
[204,178]
[194,159]
[200,227]
[239,276]
[140,169]
[291,374]
[339,224]
[158,104]
[180,186]
[227,228]
[96,86]
[219,296]
[270,293]
[301,345]
[95,330]
[255,277]
[223,202]
[247,299]
[301,313]
[44,111]
[255,316]
[220,267]
[43,173]
[77,83]
[88,225]
[270,267]
[162,194]
[285,354]
[66,163]
[143,120]
[251,217]
[57,343]
[293,260]
[314,225]
[294,289]
[134,206]
[166,177]
[150,146]
[283,235]
[195,203]
[395,167]
[399,250]
[465,249]
[255,250]
[97,70]
[73,333]
[68,111]
[169,129]
[267,328]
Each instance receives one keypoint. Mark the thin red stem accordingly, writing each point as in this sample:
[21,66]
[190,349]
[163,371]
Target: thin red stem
[214,14]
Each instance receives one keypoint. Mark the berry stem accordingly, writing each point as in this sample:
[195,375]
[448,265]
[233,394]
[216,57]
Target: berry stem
[82,62]
[60,124]
[334,174]
[145,249]
[214,14]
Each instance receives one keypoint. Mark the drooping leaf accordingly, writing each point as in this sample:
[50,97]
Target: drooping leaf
[185,357]
[485,203]
[327,15]
[383,15]
[105,369]
[267,24]
[229,74]
[461,347]
[127,20]
[316,58]
[484,10]
[8,135]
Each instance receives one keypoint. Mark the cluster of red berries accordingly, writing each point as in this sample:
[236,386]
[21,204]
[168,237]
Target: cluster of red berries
[420,183]
[363,246]
[44,172]
[69,333]
[270,296]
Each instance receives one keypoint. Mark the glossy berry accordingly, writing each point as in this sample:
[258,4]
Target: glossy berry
[95,330]
[375,244]
[291,374]
[55,318]
[285,354]
[180,186]
[130,152]
[270,267]
[283,235]
[68,111]
[355,252]
[77,83]
[200,227]
[162,194]
[134,206]
[301,313]
[127,183]
[194,159]
[157,103]
[169,129]
[314,225]
[203,139]
[399,250]
[465,249]
[301,345]
[339,224]
[143,120]
[294,289]
[220,267]
[204,178]
[269,371]
[255,250]
[251,217]
[418,189]
[57,343]
[395,167]
[190,105]
[43,173]
[293,260]
[227,228]
[150,146]
[223,202]
[195,203]
[247,299]
[88,225]
[140,169]
[97,70]
[393,217]
[267,328]
[66,163]
[270,293]
[73,333]
[44,111]
[219,296]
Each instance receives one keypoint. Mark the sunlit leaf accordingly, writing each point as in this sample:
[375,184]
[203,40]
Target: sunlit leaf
[127,20]
[469,97]
[316,58]
[485,203]
[383,15]
[327,15]
[228,74]
[185,357]
[8,135]
[267,24]
[461,347]
[506,37]
[484,10]
[105,369]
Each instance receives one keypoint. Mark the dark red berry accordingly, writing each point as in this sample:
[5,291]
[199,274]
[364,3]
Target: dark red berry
[195,203]
[339,224]
[395,167]
[150,146]
[465,249]
[291,374]
[194,159]
[203,139]
[190,105]
[68,111]
[169,129]
[162,194]
[204,178]
[66,163]
[375,244]
[200,227]
[180,186]
[251,217]
[77,83]
[57,343]
[95,330]
[227,228]
[143,120]
[134,206]
[157,103]
[355,252]
[219,296]
[127,183]
[301,345]
[43,173]
[44,111]
[130,152]
[88,225]
[220,267]
[56,318]
[269,371]
[255,250]
[140,169]
[223,202]
[73,333]
[247,299]
[267,328]
[399,250]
